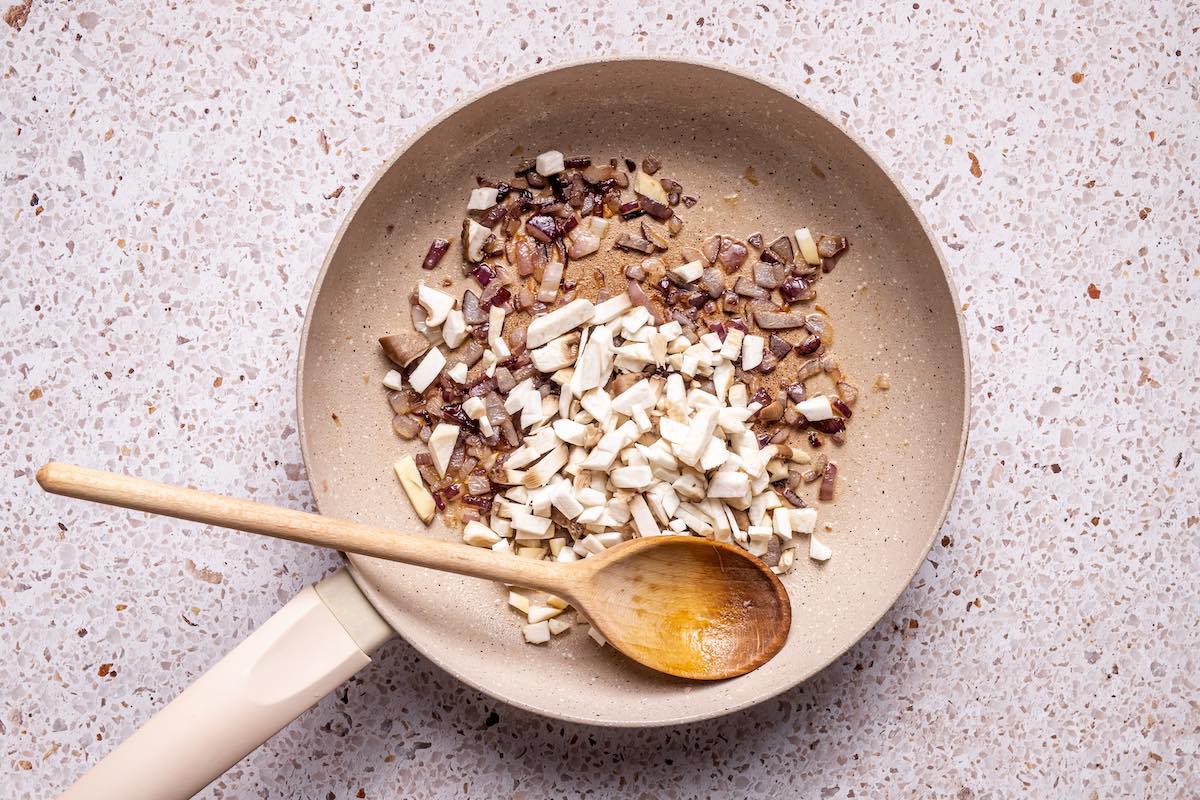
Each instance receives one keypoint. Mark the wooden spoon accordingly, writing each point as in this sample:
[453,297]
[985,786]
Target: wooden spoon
[686,606]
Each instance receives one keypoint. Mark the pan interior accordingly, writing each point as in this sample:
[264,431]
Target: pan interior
[759,161]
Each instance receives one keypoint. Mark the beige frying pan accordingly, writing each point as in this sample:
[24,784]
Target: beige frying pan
[719,134]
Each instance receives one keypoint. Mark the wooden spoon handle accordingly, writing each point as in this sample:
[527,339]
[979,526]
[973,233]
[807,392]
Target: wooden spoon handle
[299,526]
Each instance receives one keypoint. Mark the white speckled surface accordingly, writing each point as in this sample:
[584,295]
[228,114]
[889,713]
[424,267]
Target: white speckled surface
[1049,645]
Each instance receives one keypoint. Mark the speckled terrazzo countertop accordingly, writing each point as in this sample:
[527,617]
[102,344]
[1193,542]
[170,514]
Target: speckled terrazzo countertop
[173,176]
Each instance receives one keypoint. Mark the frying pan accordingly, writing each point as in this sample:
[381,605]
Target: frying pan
[759,160]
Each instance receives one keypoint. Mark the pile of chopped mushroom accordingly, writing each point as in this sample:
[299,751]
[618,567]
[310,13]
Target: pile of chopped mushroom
[674,405]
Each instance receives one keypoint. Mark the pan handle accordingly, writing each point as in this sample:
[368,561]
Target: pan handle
[312,644]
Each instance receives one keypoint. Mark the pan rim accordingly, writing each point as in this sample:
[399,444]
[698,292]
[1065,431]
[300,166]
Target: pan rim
[372,592]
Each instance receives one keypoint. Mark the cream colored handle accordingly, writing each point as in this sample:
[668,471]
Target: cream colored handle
[298,526]
[297,657]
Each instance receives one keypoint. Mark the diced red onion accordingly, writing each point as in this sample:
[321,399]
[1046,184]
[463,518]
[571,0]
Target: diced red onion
[712,282]
[748,288]
[732,254]
[638,296]
[828,481]
[779,346]
[808,369]
[660,211]
[766,276]
[809,346]
[634,244]
[438,249]
[484,274]
[767,318]
[405,426]
[542,227]
[796,500]
[793,288]
[782,249]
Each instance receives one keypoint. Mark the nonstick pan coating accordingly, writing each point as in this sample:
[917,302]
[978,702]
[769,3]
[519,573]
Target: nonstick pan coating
[893,307]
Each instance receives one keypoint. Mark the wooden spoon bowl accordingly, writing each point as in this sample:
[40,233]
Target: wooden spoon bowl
[687,606]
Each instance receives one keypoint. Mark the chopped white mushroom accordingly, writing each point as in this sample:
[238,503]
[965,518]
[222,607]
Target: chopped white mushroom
[558,626]
[550,162]
[803,520]
[437,304]
[482,198]
[441,445]
[518,600]
[418,495]
[496,333]
[728,484]
[611,308]
[454,329]
[643,520]
[596,635]
[818,550]
[752,351]
[634,319]
[480,535]
[527,526]
[536,632]
[700,432]
[816,408]
[637,477]
[649,186]
[458,373]
[428,370]
[570,431]
[689,272]
[808,249]
[393,380]
[559,321]
[541,472]
[477,236]
[542,613]
[554,355]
